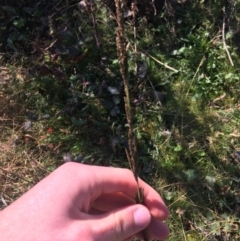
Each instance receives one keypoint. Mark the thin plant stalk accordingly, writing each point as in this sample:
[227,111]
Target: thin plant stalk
[131,151]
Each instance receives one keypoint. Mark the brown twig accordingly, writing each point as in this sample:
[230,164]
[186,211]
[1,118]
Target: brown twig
[123,62]
[131,151]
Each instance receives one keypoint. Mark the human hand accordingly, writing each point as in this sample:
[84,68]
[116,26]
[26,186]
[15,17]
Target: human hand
[81,202]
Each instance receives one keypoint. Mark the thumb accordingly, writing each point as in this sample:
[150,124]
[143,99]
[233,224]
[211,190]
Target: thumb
[121,223]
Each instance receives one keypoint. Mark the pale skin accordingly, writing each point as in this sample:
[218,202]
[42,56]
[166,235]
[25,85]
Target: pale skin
[80,202]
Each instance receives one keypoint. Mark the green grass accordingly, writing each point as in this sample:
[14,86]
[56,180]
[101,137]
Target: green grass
[188,141]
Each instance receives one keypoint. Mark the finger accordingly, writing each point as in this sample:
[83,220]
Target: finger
[120,224]
[94,211]
[157,230]
[99,180]
[122,180]
[110,201]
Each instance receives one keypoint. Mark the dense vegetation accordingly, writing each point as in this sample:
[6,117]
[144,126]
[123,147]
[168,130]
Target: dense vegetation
[61,92]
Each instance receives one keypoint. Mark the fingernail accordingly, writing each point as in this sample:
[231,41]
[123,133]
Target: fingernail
[142,217]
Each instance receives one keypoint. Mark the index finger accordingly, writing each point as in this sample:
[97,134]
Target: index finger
[122,180]
[114,180]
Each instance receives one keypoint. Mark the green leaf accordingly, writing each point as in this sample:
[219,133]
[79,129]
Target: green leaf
[51,168]
[178,148]
[215,228]
[192,237]
[168,196]
[107,104]
[210,180]
[115,61]
[19,22]
[30,11]
[229,35]
[115,111]
[77,122]
[10,9]
[228,76]
[202,153]
[191,175]
[182,50]
[11,44]
[116,99]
